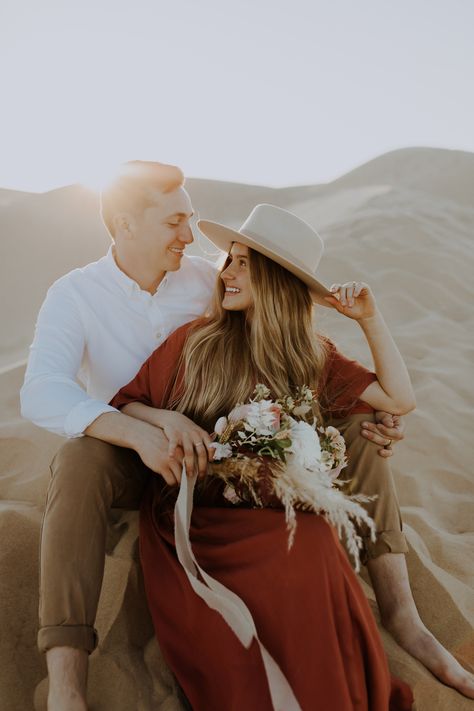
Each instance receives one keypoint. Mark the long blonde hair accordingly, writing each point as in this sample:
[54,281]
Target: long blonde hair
[275,344]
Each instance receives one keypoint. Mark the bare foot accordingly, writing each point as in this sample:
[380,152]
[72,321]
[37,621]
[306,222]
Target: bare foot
[67,669]
[415,639]
[399,615]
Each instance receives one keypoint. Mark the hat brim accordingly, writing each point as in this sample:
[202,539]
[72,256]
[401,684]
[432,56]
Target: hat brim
[223,237]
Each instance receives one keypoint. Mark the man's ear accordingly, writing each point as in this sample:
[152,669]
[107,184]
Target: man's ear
[123,225]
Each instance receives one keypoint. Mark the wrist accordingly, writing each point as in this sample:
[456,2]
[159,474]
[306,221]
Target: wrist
[369,321]
[139,433]
[158,418]
[144,413]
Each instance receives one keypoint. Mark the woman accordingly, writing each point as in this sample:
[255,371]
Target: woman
[307,605]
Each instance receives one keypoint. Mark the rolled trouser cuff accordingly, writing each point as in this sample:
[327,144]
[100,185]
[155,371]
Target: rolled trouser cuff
[77,636]
[385,542]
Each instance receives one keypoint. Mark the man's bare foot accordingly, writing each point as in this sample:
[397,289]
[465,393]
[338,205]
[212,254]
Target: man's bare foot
[67,670]
[411,634]
[389,576]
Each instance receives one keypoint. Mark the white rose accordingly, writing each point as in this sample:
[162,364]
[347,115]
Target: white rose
[221,451]
[305,446]
[220,425]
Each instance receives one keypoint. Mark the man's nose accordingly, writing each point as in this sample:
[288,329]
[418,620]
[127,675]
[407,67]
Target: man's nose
[186,234]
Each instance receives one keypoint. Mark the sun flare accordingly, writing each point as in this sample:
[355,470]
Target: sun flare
[100,175]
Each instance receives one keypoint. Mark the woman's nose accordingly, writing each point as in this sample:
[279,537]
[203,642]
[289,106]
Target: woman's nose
[228,273]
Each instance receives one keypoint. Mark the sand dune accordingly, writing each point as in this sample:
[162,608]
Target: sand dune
[404,224]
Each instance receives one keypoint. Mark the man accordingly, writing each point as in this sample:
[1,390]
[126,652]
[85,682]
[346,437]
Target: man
[98,325]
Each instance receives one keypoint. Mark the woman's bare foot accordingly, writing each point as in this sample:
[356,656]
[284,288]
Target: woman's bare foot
[399,616]
[411,634]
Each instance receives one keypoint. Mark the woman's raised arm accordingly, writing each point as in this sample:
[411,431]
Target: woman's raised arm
[392,391]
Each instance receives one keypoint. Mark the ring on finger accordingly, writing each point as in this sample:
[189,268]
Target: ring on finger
[389,445]
[198,444]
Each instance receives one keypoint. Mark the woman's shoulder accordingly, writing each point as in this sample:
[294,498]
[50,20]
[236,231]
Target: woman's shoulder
[328,348]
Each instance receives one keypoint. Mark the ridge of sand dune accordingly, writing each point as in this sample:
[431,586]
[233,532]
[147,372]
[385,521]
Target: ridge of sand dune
[413,246]
[446,173]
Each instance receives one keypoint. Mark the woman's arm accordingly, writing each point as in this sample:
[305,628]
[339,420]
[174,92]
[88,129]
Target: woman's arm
[143,412]
[392,391]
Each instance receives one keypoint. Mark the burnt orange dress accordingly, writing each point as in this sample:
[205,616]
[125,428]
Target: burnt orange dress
[309,609]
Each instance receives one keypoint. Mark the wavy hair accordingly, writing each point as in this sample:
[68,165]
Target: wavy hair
[231,351]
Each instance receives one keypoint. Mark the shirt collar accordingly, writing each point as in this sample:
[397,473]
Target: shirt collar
[128,285]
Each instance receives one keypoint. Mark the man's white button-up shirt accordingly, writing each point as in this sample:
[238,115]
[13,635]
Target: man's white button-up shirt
[95,329]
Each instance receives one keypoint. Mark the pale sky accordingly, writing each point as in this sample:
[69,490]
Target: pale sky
[263,91]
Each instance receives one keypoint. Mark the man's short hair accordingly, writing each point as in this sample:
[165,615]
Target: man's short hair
[132,189]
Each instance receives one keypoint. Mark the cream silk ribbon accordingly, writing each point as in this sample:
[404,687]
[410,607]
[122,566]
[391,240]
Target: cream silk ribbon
[224,601]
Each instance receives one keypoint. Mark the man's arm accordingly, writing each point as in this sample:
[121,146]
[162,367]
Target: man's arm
[51,397]
[146,439]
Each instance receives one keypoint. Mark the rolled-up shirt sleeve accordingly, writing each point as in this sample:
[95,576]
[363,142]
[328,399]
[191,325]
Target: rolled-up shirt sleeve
[51,397]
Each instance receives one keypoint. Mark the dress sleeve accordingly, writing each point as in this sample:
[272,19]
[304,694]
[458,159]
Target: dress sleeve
[154,381]
[343,383]
[138,389]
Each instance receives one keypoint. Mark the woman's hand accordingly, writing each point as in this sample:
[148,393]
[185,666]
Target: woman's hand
[353,299]
[193,440]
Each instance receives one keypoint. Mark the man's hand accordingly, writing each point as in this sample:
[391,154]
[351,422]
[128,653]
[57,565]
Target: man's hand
[384,431]
[153,450]
[146,439]
[185,435]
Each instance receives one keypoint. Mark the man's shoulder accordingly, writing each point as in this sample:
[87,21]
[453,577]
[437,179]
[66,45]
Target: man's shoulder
[78,276]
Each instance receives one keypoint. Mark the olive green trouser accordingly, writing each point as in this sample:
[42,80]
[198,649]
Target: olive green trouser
[89,477]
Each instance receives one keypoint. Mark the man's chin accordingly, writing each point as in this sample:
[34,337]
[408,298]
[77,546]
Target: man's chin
[173,264]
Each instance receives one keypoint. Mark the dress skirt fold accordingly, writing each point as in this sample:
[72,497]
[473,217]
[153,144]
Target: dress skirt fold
[309,610]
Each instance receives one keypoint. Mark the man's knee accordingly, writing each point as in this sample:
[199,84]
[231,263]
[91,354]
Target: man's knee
[362,454]
[83,462]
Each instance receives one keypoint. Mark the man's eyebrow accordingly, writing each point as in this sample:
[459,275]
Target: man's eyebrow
[180,214]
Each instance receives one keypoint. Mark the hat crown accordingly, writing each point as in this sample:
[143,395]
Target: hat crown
[289,235]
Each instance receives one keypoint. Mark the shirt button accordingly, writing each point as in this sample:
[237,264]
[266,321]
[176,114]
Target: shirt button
[158,334]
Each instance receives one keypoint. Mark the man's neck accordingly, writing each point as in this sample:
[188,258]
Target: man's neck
[146,275]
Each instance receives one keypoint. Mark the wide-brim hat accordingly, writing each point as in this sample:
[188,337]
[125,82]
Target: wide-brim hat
[279,235]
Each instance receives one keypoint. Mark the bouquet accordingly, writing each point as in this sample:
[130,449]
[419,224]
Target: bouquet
[274,453]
